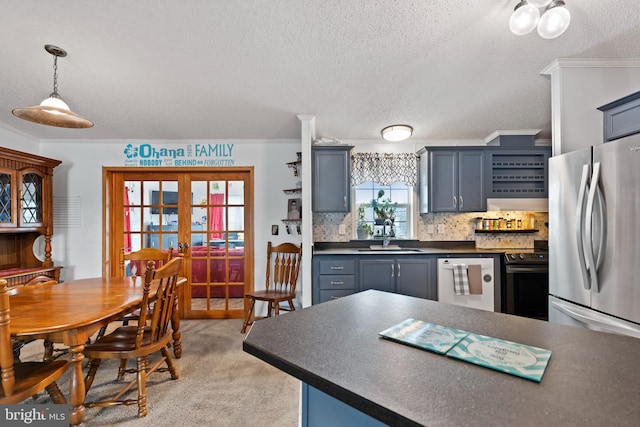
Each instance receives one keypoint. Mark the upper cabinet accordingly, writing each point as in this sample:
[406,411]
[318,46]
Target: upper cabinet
[621,117]
[26,216]
[25,192]
[451,180]
[517,172]
[331,178]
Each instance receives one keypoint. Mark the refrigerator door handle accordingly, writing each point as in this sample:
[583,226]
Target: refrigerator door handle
[591,257]
[602,215]
[594,320]
[580,226]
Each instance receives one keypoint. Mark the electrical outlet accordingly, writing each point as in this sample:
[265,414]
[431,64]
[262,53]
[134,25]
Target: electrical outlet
[440,228]
[342,229]
[430,229]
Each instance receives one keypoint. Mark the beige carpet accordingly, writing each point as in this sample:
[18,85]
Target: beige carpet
[219,385]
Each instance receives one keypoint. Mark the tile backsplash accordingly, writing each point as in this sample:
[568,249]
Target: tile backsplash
[457,226]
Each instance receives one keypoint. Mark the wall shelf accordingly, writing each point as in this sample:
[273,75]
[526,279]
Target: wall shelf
[512,231]
[292,191]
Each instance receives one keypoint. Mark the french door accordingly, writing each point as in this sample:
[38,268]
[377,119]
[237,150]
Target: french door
[202,214]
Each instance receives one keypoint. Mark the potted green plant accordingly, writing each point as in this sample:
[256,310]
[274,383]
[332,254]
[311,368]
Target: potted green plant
[384,208]
[363,230]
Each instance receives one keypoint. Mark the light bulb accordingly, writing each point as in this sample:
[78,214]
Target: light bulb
[524,18]
[539,3]
[554,21]
[52,101]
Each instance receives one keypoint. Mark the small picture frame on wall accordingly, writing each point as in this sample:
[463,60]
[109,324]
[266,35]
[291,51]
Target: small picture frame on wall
[293,208]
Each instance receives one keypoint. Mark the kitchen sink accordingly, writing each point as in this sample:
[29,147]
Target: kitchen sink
[389,248]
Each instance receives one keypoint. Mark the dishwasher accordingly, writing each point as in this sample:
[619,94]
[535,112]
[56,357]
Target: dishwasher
[446,288]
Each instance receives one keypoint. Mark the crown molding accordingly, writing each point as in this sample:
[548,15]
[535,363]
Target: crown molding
[590,63]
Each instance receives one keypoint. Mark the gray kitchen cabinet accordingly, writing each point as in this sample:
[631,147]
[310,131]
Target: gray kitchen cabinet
[413,276]
[333,277]
[331,178]
[417,278]
[377,273]
[621,117]
[517,172]
[455,181]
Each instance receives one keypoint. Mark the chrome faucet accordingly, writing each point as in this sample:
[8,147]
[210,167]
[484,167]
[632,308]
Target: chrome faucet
[386,233]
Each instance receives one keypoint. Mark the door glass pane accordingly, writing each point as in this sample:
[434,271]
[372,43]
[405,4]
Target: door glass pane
[31,198]
[236,192]
[5,197]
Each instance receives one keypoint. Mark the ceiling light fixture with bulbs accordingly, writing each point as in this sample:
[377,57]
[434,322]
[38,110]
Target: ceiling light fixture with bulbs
[53,111]
[396,133]
[551,22]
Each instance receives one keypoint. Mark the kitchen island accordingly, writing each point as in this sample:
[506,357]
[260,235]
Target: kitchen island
[349,373]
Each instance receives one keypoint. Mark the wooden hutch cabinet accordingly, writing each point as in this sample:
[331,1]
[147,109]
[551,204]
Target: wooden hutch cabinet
[26,216]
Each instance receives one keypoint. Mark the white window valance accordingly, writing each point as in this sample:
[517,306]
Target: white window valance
[384,168]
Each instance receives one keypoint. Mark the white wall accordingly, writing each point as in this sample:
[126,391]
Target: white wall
[15,141]
[79,249]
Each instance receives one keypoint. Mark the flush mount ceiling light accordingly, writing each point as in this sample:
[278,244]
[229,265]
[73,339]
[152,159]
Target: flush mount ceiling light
[396,132]
[53,111]
[552,22]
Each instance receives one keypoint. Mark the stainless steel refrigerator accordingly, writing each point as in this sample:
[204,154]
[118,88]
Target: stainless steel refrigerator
[594,237]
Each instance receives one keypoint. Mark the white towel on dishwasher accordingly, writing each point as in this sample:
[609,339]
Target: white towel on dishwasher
[460,279]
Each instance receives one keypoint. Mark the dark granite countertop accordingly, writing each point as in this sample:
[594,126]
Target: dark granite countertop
[408,247]
[592,378]
[414,247]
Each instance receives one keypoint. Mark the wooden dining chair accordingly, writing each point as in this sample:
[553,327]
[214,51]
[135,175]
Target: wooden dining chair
[38,282]
[152,334]
[283,266]
[22,380]
[137,261]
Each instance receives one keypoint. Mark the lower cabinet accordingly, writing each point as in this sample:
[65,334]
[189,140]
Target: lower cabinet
[342,275]
[417,278]
[412,276]
[333,277]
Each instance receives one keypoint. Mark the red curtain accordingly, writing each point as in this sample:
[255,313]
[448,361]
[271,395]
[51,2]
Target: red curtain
[216,215]
[127,219]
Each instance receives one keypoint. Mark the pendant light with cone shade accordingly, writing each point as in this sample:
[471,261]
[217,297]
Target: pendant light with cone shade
[53,111]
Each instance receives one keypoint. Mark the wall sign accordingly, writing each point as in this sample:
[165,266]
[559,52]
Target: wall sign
[182,155]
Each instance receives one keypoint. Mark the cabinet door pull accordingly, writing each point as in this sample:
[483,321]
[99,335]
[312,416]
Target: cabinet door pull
[455,202]
[337,283]
[399,270]
[393,270]
[461,202]
[333,267]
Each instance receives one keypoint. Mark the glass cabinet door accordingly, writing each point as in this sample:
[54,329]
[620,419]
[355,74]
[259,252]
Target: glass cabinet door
[31,199]
[7,215]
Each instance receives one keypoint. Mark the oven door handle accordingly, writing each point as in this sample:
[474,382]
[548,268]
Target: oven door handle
[532,269]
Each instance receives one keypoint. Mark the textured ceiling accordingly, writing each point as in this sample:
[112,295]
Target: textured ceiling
[243,69]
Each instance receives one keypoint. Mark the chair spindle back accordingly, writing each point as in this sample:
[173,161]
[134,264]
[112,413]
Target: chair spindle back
[284,261]
[160,307]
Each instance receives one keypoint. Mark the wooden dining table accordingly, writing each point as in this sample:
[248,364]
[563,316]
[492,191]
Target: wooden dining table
[71,312]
